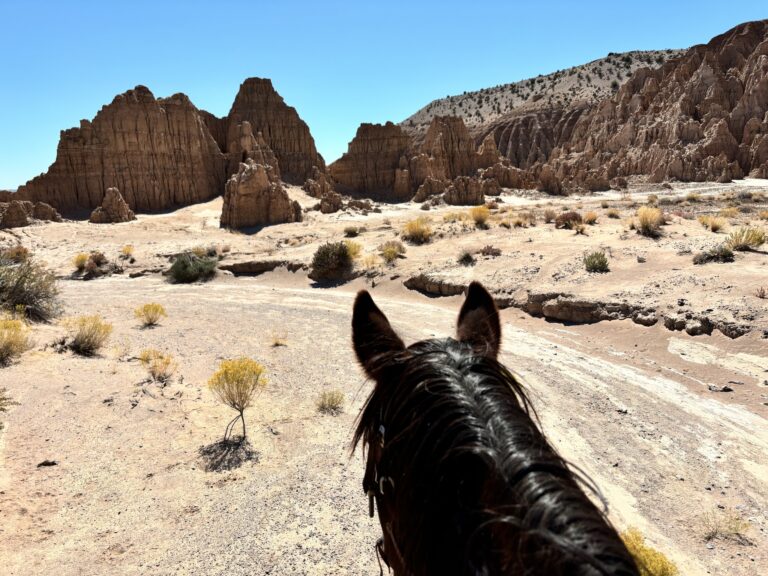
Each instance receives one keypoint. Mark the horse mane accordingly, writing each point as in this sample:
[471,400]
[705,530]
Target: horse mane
[469,463]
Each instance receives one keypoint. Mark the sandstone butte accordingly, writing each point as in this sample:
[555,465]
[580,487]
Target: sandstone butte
[163,153]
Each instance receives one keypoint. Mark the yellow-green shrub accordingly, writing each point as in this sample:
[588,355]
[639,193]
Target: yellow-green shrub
[14,340]
[88,334]
[235,383]
[480,215]
[745,239]
[590,218]
[714,223]
[353,249]
[126,251]
[331,402]
[649,221]
[79,261]
[150,314]
[649,561]
[391,250]
[418,231]
[159,365]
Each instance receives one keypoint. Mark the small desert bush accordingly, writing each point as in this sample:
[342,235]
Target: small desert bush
[693,197]
[604,204]
[613,213]
[549,215]
[745,239]
[16,254]
[529,217]
[649,221]
[721,253]
[205,251]
[568,220]
[491,251]
[278,340]
[590,218]
[30,287]
[417,231]
[580,229]
[351,231]
[331,261]
[88,334]
[713,223]
[150,314]
[725,526]
[126,251]
[354,249]
[160,366]
[391,251]
[14,340]
[596,261]
[763,215]
[235,383]
[731,212]
[79,261]
[480,215]
[456,217]
[652,199]
[371,261]
[189,267]
[761,292]
[331,402]
[466,258]
[649,561]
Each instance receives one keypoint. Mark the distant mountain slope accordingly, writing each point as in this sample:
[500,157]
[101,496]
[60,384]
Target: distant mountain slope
[562,89]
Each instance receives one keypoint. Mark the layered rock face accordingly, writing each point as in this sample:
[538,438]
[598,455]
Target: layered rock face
[158,152]
[383,163]
[163,152]
[282,129]
[113,209]
[699,117]
[18,213]
[253,199]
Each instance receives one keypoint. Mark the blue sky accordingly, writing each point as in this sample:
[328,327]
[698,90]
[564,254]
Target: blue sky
[339,63]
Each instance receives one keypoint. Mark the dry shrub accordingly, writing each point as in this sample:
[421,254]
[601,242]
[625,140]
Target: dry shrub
[604,204]
[371,261]
[649,221]
[160,366]
[761,292]
[613,213]
[491,251]
[650,561]
[235,383]
[721,253]
[693,197]
[731,212]
[15,254]
[480,215]
[745,239]
[188,267]
[14,340]
[29,287]
[331,402]
[713,223]
[652,199]
[590,218]
[724,526]
[126,251]
[417,231]
[5,402]
[529,217]
[580,229]
[549,215]
[391,250]
[278,340]
[88,334]
[354,249]
[351,231]
[466,258]
[763,214]
[451,217]
[568,220]
[596,261]
[331,261]
[150,314]
[79,261]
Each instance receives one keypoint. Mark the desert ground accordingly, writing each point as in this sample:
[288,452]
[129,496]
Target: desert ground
[639,408]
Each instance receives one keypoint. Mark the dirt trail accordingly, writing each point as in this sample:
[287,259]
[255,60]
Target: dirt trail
[130,496]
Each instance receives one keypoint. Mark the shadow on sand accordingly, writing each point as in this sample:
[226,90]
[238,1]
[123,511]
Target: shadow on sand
[227,454]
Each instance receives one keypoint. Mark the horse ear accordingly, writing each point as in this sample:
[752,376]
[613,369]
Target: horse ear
[372,336]
[478,323]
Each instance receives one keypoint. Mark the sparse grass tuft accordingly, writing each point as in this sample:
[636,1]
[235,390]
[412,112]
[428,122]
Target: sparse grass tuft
[613,213]
[351,231]
[235,383]
[596,261]
[391,250]
[331,402]
[652,199]
[480,215]
[331,261]
[724,526]
[88,334]
[720,253]
[590,218]
[745,239]
[649,221]
[604,204]
[150,314]
[159,365]
[549,215]
[14,340]
[16,254]
[713,223]
[417,231]
[278,340]
[189,267]
[568,220]
[354,249]
[649,561]
[693,197]
[761,292]
[731,212]
[466,258]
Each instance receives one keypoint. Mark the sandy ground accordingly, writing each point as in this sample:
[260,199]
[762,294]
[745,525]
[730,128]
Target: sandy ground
[130,493]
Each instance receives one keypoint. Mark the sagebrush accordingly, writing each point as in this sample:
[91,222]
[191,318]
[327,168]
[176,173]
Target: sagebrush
[235,383]
[149,314]
[28,286]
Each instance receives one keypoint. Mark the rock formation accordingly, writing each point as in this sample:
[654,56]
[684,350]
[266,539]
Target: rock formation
[700,117]
[163,152]
[464,191]
[113,209]
[18,213]
[251,199]
[158,152]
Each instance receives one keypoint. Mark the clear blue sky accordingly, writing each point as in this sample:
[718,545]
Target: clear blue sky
[339,63]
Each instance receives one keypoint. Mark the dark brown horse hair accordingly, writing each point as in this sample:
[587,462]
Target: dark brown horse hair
[476,489]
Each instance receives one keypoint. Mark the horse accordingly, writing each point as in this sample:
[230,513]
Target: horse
[463,479]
